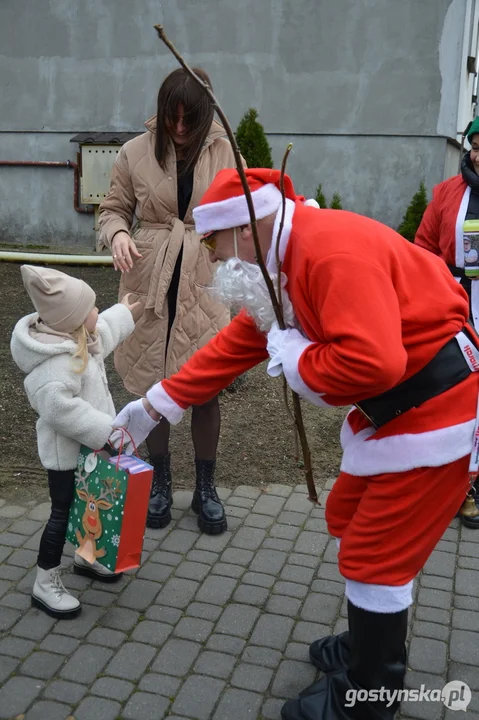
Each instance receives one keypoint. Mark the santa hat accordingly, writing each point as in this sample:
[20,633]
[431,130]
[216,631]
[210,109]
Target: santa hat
[223,205]
[62,302]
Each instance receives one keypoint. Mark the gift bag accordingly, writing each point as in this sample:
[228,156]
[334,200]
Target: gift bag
[108,513]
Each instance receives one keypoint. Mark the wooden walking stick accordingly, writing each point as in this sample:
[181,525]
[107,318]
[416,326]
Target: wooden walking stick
[275,299]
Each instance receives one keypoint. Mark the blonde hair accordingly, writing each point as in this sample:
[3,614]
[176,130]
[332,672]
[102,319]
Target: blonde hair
[80,336]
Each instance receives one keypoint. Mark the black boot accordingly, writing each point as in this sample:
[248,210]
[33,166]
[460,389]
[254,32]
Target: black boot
[331,653]
[206,503]
[377,660]
[161,498]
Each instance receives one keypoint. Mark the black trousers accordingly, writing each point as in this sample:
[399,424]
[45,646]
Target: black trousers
[61,484]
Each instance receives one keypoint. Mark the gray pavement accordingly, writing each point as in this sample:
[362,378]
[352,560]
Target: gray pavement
[216,627]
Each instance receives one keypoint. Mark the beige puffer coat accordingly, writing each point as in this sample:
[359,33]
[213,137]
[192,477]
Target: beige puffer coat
[141,190]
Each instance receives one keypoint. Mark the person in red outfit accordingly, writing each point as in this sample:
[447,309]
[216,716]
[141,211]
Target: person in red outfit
[450,230]
[364,329]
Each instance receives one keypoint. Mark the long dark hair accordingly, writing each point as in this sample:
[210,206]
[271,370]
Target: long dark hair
[177,89]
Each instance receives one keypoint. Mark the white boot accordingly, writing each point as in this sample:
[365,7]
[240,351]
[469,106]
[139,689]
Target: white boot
[50,595]
[94,570]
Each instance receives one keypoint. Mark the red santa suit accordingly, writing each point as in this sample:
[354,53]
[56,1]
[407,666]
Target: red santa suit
[372,310]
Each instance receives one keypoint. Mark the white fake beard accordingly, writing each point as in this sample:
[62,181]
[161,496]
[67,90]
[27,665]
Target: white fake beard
[239,284]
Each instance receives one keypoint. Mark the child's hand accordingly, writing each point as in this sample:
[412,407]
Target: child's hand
[126,302]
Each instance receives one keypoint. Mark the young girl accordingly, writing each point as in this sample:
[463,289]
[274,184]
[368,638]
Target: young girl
[61,348]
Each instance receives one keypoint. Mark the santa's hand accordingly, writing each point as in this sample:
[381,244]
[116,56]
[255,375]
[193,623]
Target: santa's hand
[277,346]
[137,421]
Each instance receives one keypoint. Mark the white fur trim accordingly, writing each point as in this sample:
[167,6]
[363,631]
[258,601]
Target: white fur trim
[164,404]
[290,361]
[379,598]
[461,216]
[399,453]
[285,233]
[311,203]
[234,212]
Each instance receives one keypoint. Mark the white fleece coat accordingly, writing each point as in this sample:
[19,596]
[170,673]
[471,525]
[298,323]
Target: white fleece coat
[74,409]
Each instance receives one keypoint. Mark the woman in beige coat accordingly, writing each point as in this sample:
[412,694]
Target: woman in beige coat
[146,219]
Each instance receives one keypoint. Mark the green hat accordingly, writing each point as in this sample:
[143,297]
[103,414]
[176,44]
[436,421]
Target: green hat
[473,130]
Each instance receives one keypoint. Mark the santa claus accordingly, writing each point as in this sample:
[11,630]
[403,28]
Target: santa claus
[374,322]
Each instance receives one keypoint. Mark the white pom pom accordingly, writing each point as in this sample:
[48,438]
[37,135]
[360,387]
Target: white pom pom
[311,203]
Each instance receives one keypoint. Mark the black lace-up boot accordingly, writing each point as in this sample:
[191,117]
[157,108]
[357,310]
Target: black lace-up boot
[161,499]
[206,503]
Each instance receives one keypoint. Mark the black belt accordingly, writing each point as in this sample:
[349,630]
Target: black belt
[447,369]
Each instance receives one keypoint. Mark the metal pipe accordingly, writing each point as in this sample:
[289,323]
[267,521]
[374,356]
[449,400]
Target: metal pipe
[55,259]
[47,163]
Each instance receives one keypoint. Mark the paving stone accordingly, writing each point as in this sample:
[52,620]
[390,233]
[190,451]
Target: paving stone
[330,571]
[202,556]
[145,706]
[216,664]
[238,620]
[16,601]
[258,521]
[251,677]
[85,664]
[465,673]
[441,563]
[328,587]
[166,558]
[311,543]
[291,589]
[465,602]
[448,546]
[98,708]
[292,677]
[131,661]
[297,651]
[152,633]
[12,573]
[243,502]
[237,556]
[248,538]
[160,684]
[231,571]
[90,616]
[60,644]
[232,511]
[5,551]
[427,655]
[178,592]
[112,688]
[198,697]
[259,579]
[226,644]
[269,505]
[193,629]
[213,543]
[437,583]
[7,666]
[41,512]
[65,691]
[284,532]
[51,710]
[179,541]
[139,594]
[17,694]
[317,524]
[320,608]
[192,571]
[238,705]
[155,572]
[16,647]
[251,595]
[271,710]
[431,630]
[434,598]
[283,606]
[297,574]
[268,562]
[12,511]
[468,549]
[464,647]
[26,527]
[468,563]
[265,657]
[96,597]
[34,625]
[215,589]
[13,540]
[120,619]
[106,637]
[176,657]
[77,583]
[279,489]
[272,631]
[160,613]
[204,611]
[467,582]
[247,491]
[42,665]
[33,543]
[432,614]
[306,632]
[465,620]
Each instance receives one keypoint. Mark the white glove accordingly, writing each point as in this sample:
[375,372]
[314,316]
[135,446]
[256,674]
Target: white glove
[137,421]
[277,345]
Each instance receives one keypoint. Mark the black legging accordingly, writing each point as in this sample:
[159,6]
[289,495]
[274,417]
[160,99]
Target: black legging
[61,484]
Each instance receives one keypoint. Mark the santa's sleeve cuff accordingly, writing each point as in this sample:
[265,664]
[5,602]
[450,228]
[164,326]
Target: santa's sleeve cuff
[290,363]
[164,404]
